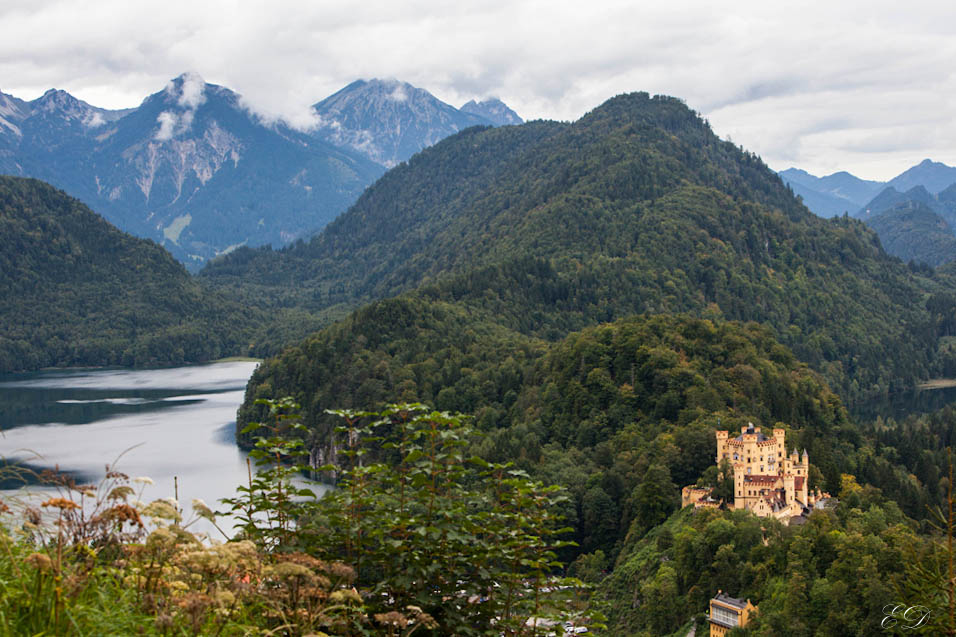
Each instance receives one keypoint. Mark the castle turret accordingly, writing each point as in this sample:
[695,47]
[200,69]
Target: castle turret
[779,436]
[740,496]
[721,445]
[789,488]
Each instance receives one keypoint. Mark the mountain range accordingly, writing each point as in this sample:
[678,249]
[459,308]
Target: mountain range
[195,170]
[913,214]
[842,192]
[600,295]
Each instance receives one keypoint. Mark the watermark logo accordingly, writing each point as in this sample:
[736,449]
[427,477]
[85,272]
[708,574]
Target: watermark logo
[904,617]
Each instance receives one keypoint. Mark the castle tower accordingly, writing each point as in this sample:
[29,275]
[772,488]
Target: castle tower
[789,488]
[780,450]
[740,496]
[721,446]
[805,472]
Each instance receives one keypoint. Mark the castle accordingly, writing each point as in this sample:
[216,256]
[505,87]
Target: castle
[767,481]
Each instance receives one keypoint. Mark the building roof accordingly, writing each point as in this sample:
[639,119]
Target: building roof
[751,430]
[724,598]
[761,479]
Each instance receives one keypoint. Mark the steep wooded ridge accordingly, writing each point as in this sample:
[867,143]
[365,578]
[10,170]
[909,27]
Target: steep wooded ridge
[637,207]
[77,291]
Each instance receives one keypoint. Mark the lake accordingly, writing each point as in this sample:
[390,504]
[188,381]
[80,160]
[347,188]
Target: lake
[163,424]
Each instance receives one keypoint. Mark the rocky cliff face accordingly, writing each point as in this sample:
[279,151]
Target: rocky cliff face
[389,121]
[494,110]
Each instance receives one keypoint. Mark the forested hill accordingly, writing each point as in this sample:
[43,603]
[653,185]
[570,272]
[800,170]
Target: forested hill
[476,197]
[637,207]
[77,291]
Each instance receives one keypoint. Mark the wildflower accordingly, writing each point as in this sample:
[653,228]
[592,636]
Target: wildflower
[392,618]
[225,598]
[342,571]
[345,596]
[143,480]
[123,513]
[202,510]
[288,570]
[40,561]
[61,503]
[120,493]
[162,509]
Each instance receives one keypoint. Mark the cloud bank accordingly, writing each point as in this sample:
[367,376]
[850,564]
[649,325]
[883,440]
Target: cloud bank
[826,86]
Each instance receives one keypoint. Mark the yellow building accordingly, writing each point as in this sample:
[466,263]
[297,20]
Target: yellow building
[767,480]
[727,613]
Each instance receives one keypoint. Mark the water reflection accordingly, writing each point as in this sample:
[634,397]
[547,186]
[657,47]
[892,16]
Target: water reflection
[899,405]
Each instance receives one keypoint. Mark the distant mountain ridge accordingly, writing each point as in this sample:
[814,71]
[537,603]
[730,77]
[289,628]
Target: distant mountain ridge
[932,175]
[493,110]
[842,192]
[193,169]
[190,168]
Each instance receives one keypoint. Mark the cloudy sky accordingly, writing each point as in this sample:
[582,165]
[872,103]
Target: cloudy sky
[868,87]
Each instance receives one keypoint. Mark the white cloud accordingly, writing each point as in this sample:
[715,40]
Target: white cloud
[399,94]
[192,92]
[779,81]
[94,119]
[167,126]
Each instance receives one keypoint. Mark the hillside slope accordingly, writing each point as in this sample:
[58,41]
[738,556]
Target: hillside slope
[77,291]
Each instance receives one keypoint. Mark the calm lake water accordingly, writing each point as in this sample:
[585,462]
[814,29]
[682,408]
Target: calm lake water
[904,403]
[157,423]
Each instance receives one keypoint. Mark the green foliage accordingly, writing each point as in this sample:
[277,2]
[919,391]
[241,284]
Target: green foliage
[470,543]
[95,560]
[268,508]
[466,546]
